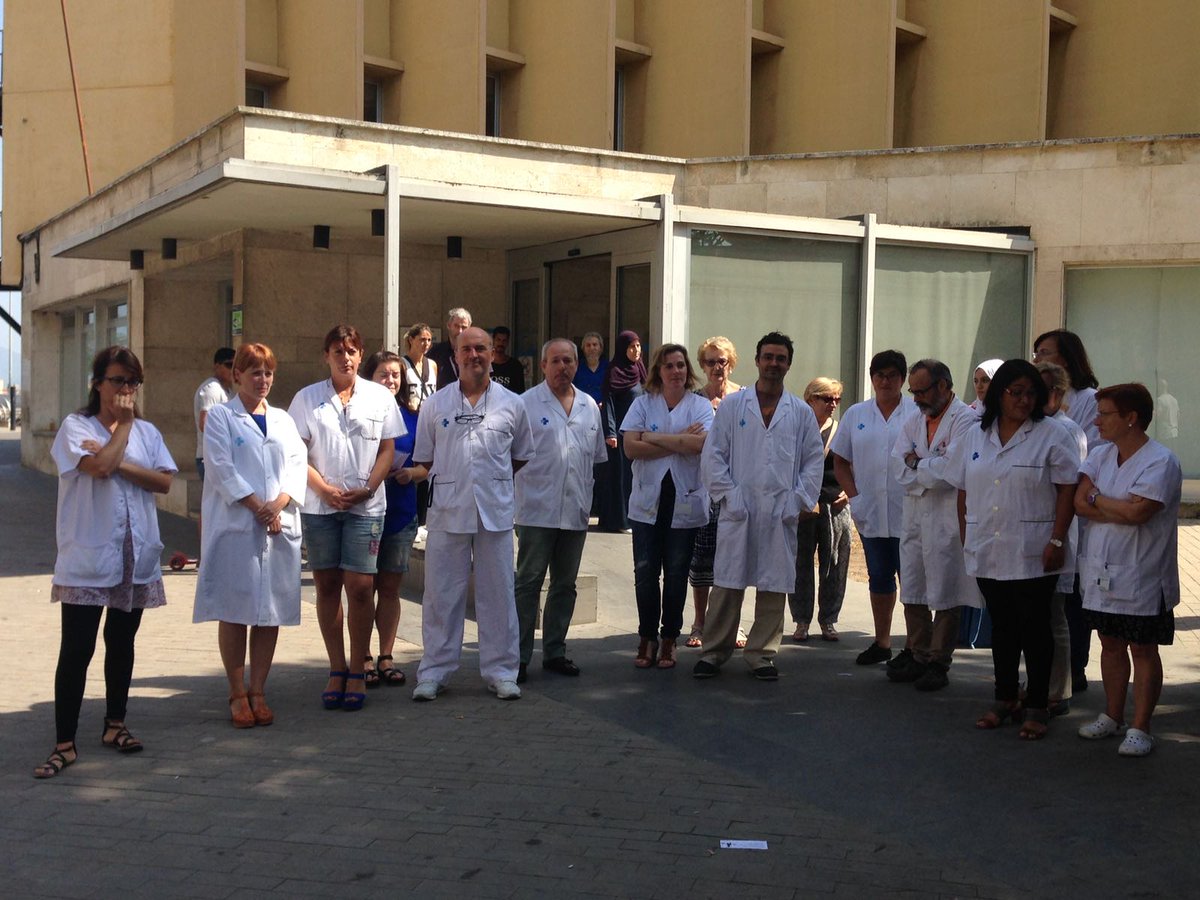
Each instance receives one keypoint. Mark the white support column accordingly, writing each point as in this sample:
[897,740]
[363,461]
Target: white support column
[866,305]
[391,260]
[669,301]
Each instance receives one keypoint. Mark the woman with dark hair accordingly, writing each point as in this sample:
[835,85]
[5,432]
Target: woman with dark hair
[1016,476]
[664,435]
[1064,348]
[256,481]
[399,522]
[348,424]
[1129,492]
[110,464]
[622,385]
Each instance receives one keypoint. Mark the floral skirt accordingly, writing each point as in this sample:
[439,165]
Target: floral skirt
[1159,629]
[125,596]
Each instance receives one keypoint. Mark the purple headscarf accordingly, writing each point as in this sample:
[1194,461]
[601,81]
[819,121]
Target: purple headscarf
[623,374]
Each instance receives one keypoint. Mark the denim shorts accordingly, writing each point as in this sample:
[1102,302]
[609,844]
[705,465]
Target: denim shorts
[394,549]
[883,562]
[341,540]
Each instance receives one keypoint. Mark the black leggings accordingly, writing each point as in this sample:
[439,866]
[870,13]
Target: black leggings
[1020,612]
[79,627]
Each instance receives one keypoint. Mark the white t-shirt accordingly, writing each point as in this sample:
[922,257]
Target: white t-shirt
[472,449]
[1011,497]
[343,441]
[865,439]
[210,393]
[92,512]
[649,412]
[1133,569]
[555,489]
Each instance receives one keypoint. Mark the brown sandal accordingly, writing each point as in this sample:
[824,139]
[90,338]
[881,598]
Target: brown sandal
[647,653]
[240,713]
[666,656]
[262,713]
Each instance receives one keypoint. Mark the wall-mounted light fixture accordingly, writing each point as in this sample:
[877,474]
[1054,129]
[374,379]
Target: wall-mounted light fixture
[137,259]
[454,247]
[169,248]
[321,237]
[377,223]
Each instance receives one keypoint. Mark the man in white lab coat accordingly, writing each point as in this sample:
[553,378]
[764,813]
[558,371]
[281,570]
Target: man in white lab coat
[933,575]
[554,498]
[472,437]
[763,462]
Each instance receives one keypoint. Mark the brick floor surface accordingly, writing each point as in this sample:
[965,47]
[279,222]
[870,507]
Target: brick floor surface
[618,784]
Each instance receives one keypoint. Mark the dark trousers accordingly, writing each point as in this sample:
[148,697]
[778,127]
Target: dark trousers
[79,627]
[1020,612]
[1080,630]
[661,549]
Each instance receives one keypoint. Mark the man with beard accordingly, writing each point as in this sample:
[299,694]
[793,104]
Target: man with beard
[933,575]
[763,463]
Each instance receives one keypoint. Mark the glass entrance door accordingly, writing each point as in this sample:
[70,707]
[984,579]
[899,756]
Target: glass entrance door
[578,299]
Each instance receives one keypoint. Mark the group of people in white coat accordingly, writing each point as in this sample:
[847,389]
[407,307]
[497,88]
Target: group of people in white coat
[961,506]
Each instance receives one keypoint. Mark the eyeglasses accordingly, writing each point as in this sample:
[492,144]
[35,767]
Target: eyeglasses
[122,382]
[470,418]
[825,398]
[1021,395]
[1042,353]
[921,392]
[715,363]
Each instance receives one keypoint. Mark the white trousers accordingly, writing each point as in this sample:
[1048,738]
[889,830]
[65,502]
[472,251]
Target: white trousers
[448,559]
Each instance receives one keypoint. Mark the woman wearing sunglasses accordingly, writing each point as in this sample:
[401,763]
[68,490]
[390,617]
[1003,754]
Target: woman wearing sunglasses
[110,464]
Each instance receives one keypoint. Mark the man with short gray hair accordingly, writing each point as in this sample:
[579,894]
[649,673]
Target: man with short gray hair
[554,497]
[933,576]
[458,320]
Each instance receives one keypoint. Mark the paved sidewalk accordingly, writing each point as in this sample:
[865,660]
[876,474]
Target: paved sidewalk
[618,784]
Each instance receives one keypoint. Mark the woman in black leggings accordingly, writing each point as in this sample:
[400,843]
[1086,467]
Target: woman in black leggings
[110,463]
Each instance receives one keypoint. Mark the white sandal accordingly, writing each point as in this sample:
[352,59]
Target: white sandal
[1136,743]
[1104,726]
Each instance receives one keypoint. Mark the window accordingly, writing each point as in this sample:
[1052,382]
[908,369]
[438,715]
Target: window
[1140,324]
[619,109]
[959,306]
[745,285]
[258,95]
[116,329]
[372,101]
[491,125]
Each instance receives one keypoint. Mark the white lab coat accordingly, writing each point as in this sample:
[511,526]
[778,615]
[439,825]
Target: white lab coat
[932,571]
[248,576]
[764,478]
[1081,408]
[649,412]
[92,512]
[1066,581]
[865,439]
[471,473]
[554,490]
[343,441]
[1132,569]
[1011,497]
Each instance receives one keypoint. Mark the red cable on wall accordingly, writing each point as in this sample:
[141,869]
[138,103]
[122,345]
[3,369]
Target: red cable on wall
[87,166]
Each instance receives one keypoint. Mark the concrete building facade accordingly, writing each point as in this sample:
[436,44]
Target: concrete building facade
[949,177]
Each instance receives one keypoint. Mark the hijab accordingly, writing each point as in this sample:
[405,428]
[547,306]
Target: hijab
[989,366]
[623,374]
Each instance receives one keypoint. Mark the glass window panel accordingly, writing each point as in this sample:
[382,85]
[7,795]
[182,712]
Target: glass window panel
[743,286]
[72,377]
[526,297]
[1140,324]
[959,306]
[633,301]
[118,325]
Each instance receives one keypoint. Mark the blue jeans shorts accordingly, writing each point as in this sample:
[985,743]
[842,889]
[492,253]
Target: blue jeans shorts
[341,540]
[395,548]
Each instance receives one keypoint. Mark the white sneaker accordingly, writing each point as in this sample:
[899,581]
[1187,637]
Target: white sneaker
[426,691]
[505,690]
[1136,743]
[1104,726]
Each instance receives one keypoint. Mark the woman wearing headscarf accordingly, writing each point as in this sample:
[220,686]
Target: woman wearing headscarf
[984,372]
[622,385]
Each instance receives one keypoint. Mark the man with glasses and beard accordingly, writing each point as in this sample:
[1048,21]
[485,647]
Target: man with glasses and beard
[933,574]
[472,438]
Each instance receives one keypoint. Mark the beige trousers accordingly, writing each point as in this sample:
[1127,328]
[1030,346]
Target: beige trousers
[725,614]
[931,636]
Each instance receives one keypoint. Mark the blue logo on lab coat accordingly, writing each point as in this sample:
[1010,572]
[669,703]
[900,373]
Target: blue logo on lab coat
[742,423]
[654,428]
[445,423]
[239,441]
[975,455]
[545,421]
[862,425]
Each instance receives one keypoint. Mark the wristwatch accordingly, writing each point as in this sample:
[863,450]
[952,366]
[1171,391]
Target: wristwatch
[1055,542]
[1091,498]
[913,462]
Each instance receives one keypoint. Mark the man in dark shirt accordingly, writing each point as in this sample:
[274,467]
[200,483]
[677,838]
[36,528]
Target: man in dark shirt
[458,320]
[506,370]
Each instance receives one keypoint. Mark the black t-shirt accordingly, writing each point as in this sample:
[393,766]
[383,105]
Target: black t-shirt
[510,374]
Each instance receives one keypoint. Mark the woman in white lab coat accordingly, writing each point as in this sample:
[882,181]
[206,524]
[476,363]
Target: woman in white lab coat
[110,464]
[1016,476]
[256,474]
[1129,492]
[664,433]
